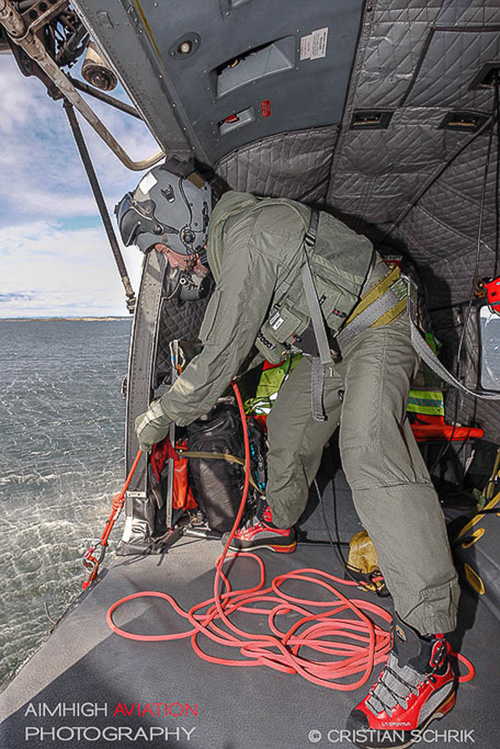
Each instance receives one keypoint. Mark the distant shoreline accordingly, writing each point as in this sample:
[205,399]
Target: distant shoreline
[64,319]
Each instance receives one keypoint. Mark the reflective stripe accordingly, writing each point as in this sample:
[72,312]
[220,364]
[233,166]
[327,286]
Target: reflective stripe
[426,402]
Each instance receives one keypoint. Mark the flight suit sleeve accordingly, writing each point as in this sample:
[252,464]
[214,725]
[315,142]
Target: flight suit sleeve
[233,318]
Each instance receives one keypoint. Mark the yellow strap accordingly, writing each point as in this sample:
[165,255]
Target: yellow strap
[477,518]
[391,314]
[490,486]
[380,288]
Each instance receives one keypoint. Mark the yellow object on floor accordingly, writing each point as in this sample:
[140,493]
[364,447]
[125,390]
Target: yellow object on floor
[362,564]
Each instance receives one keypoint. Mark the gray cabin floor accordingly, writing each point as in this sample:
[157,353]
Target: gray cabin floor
[237,708]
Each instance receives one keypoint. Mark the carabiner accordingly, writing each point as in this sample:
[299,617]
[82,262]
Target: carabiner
[91,561]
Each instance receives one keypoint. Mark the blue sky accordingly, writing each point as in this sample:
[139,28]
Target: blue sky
[55,259]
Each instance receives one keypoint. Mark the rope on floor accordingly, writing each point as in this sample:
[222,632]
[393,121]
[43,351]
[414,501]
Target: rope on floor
[349,647]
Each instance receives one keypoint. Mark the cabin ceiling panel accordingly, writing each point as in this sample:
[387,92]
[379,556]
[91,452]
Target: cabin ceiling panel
[381,151]
[417,71]
[391,166]
[455,199]
[232,73]
[393,39]
[477,12]
[294,165]
[451,63]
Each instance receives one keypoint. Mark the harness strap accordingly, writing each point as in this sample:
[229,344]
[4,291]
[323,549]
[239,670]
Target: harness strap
[427,354]
[318,323]
[217,456]
[375,308]
[379,310]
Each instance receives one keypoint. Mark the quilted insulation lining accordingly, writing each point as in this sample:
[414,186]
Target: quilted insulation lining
[178,320]
[420,59]
[442,230]
[417,59]
[294,165]
[444,80]
[406,63]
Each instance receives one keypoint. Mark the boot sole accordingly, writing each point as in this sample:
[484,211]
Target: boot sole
[440,712]
[280,549]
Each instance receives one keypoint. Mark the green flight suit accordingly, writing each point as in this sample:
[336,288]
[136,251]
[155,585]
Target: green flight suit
[255,251]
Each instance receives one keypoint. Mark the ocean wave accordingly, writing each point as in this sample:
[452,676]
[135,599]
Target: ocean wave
[28,478]
[61,460]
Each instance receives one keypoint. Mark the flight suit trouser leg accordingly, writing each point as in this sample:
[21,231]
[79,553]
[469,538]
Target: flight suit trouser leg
[391,487]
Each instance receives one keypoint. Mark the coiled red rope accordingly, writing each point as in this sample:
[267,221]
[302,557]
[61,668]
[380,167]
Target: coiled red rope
[349,646]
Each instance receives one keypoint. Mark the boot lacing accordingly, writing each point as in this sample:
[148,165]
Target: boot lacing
[394,686]
[251,523]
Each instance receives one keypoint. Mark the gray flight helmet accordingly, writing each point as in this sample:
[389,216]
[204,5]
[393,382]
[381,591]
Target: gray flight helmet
[166,208]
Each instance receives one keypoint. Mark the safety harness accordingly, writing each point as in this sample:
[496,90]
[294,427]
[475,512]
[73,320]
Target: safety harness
[324,357]
[385,302]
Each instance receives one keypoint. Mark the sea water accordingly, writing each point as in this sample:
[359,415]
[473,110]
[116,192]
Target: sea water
[61,459]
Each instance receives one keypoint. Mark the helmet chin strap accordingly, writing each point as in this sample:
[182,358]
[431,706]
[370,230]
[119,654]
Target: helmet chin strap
[202,257]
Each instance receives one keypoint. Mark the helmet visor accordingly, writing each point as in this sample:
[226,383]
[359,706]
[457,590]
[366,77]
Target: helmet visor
[137,223]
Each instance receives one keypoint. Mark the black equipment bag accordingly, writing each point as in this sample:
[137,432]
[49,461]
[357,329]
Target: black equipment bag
[217,485]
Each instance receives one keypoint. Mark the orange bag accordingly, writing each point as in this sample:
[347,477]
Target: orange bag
[182,494]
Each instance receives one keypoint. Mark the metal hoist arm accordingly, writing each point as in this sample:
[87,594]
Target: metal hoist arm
[25,38]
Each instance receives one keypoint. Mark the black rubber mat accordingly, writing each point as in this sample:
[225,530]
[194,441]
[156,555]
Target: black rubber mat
[84,666]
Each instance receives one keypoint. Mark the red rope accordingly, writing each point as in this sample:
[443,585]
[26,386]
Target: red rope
[118,502]
[349,646]
[90,560]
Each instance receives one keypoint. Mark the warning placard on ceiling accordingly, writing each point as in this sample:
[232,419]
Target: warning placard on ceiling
[313,46]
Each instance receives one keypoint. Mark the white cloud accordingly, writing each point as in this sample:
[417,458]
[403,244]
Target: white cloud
[56,273]
[18,102]
[47,268]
